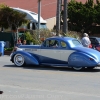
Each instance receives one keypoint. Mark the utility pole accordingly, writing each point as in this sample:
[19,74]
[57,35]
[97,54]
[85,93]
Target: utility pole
[39,14]
[58,17]
[65,23]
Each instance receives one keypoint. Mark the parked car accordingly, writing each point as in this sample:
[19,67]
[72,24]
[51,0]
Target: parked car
[95,41]
[57,51]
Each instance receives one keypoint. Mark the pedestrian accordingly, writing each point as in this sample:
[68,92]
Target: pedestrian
[22,38]
[85,40]
[17,45]
[24,42]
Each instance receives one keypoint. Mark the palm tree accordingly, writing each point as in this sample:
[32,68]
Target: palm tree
[39,14]
[65,24]
[58,17]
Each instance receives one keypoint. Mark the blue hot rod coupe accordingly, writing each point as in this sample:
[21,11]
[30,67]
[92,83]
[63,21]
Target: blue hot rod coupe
[57,51]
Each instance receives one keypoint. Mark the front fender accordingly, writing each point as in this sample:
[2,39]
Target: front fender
[29,59]
[79,59]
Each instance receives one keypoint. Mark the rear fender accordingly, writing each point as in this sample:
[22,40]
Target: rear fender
[29,59]
[79,59]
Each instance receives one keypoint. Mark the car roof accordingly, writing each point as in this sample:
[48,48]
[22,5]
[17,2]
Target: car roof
[94,37]
[61,38]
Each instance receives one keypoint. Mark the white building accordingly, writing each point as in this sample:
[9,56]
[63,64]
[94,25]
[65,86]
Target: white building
[33,17]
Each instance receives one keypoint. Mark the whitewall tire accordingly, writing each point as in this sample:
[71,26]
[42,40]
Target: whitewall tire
[77,68]
[19,60]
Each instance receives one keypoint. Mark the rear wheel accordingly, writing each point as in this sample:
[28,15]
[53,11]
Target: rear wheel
[77,68]
[19,60]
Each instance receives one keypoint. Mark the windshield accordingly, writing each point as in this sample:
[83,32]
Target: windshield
[98,39]
[42,25]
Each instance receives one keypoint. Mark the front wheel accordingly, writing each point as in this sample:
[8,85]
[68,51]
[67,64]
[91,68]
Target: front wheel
[77,68]
[19,60]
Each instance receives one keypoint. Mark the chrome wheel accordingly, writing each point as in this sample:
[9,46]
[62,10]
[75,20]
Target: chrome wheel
[19,60]
[77,68]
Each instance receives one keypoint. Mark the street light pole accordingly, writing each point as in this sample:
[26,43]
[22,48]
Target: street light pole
[39,14]
[65,15]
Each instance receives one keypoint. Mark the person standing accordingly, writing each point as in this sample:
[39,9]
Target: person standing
[85,40]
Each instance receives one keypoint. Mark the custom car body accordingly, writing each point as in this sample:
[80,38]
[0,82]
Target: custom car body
[57,51]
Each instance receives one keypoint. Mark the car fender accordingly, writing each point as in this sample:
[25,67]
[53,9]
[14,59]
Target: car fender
[80,59]
[29,58]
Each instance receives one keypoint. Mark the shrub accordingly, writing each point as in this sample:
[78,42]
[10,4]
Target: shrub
[74,34]
[28,37]
[8,49]
[38,36]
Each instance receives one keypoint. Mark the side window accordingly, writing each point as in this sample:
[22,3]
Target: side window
[28,26]
[33,26]
[63,44]
[96,41]
[51,43]
[93,40]
[54,43]
[46,44]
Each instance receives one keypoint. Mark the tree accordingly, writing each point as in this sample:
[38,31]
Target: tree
[58,17]
[11,18]
[97,12]
[81,16]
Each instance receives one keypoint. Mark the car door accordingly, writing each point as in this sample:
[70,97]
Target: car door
[50,53]
[65,52]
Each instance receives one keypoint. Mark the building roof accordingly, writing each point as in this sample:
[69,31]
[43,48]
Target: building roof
[48,7]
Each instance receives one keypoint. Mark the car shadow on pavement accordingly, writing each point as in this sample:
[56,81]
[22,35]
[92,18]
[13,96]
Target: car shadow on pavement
[34,67]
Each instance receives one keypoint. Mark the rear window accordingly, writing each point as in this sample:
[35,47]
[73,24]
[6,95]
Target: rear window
[76,42]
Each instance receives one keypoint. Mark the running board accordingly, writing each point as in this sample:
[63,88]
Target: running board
[55,65]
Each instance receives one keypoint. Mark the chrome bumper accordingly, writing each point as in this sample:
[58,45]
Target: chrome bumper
[98,64]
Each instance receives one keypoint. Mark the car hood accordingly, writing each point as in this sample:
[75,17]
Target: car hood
[89,51]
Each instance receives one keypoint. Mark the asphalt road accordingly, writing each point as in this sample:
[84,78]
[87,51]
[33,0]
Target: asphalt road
[47,83]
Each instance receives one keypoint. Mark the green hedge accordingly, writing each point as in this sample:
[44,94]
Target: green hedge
[8,49]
